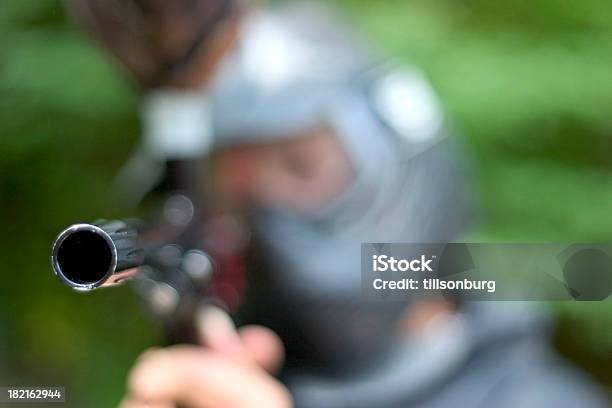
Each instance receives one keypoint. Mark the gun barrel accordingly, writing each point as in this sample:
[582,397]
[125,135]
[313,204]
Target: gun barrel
[88,256]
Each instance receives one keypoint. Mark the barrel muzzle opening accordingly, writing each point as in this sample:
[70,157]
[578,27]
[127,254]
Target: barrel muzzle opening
[84,256]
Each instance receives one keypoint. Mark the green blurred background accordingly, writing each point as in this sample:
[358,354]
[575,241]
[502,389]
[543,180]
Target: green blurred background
[527,83]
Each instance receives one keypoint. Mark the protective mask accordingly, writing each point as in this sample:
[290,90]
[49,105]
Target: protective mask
[399,194]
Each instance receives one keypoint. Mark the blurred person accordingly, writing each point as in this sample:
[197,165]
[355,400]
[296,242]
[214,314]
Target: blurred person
[317,147]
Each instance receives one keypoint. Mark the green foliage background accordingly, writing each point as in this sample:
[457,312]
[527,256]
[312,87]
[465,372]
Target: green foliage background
[527,83]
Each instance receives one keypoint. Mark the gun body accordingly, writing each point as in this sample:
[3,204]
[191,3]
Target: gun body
[165,261]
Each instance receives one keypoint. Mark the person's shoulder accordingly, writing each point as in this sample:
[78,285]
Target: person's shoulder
[513,365]
[556,384]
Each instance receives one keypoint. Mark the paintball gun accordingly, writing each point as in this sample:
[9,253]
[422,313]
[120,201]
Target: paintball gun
[165,260]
